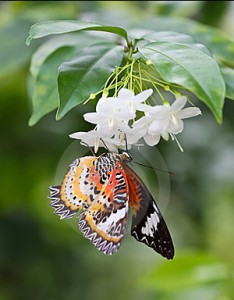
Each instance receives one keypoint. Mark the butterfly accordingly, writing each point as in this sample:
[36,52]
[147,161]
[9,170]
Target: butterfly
[102,188]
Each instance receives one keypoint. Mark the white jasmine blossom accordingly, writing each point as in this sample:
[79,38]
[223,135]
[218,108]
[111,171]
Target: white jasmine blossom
[91,138]
[177,113]
[166,120]
[131,102]
[116,121]
[141,130]
[94,138]
[110,116]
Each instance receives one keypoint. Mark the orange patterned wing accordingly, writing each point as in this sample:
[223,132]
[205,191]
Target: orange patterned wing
[78,189]
[104,222]
[148,225]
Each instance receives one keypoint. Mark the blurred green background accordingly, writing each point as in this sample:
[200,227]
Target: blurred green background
[42,257]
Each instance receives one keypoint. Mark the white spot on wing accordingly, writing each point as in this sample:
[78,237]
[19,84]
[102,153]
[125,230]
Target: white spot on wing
[113,219]
[155,207]
[150,225]
[155,219]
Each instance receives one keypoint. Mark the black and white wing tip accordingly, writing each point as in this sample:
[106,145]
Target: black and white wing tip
[152,231]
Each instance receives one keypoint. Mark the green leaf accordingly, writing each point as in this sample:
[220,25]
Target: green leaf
[46,49]
[43,29]
[174,37]
[228,75]
[44,69]
[45,93]
[86,74]
[190,68]
[215,40]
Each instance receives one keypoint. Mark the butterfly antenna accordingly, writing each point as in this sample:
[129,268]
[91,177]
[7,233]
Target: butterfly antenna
[90,149]
[105,145]
[164,171]
[126,143]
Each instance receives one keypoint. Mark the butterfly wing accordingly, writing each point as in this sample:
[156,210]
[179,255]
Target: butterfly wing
[148,225]
[104,221]
[77,189]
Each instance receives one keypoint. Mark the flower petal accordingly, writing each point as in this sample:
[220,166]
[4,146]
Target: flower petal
[94,118]
[125,115]
[123,127]
[151,140]
[179,103]
[189,112]
[100,101]
[160,112]
[125,94]
[77,135]
[90,138]
[105,100]
[143,96]
[110,145]
[143,107]
[107,107]
[143,122]
[136,133]
[158,126]
[177,127]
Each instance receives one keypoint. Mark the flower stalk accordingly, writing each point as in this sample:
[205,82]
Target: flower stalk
[135,112]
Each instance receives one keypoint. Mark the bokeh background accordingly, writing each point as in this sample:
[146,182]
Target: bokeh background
[42,257]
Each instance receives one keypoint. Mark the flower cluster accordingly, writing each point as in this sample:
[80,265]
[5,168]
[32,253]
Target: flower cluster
[118,122]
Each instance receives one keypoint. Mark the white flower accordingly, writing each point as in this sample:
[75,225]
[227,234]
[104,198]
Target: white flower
[90,138]
[177,113]
[94,138]
[164,120]
[141,129]
[168,119]
[114,113]
[109,116]
[113,116]
[127,99]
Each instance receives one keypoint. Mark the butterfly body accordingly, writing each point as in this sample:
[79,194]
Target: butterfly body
[103,188]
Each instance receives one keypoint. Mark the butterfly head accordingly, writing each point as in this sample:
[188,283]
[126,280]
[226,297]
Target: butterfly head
[126,157]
